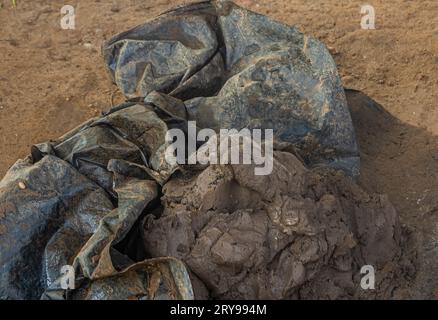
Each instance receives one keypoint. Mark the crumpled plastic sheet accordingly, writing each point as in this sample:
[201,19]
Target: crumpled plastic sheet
[78,200]
[234,69]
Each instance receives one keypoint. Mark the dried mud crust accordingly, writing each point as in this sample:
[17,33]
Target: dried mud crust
[296,233]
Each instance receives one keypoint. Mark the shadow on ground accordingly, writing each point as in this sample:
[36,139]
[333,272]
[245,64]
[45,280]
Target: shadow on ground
[401,161]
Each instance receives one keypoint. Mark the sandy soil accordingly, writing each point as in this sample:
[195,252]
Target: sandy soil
[53,79]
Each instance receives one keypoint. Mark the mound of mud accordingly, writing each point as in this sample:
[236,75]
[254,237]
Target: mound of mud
[296,233]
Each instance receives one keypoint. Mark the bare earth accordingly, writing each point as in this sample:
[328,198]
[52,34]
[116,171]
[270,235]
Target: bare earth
[52,79]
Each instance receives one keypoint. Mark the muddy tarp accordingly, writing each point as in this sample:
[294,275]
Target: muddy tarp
[81,200]
[234,69]
[76,202]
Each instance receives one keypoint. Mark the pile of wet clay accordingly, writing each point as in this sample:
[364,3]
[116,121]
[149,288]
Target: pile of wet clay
[296,233]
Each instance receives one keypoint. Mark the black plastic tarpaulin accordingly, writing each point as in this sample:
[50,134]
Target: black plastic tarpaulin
[235,69]
[76,202]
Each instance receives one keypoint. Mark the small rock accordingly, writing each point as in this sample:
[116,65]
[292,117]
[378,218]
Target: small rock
[332,50]
[347,79]
[21,185]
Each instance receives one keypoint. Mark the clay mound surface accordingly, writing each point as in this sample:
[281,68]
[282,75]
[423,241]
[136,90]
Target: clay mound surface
[296,233]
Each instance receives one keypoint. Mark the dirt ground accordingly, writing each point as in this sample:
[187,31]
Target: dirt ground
[53,79]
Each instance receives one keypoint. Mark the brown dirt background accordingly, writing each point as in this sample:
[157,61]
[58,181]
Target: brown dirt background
[53,79]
